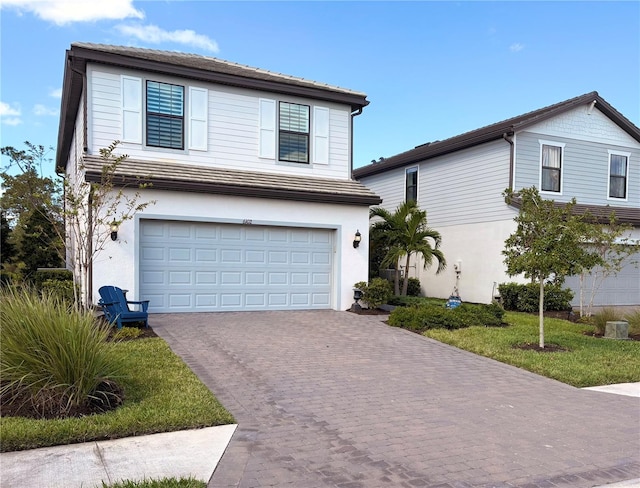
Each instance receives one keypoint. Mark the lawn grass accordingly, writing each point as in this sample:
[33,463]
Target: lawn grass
[161,395]
[589,361]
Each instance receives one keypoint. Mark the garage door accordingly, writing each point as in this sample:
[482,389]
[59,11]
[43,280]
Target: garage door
[621,289]
[200,267]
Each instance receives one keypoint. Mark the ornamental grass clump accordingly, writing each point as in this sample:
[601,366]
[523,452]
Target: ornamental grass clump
[54,359]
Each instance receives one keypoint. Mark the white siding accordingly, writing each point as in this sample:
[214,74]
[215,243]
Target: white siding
[585,169]
[233,128]
[459,188]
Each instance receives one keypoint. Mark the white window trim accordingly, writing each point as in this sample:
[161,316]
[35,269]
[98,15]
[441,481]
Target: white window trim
[626,190]
[406,171]
[561,145]
[321,124]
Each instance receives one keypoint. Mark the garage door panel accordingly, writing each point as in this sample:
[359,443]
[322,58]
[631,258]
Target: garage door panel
[207,267]
[620,289]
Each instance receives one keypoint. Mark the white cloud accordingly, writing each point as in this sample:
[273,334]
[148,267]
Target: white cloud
[40,109]
[514,48]
[65,11]
[10,114]
[155,35]
[12,121]
[8,110]
[56,93]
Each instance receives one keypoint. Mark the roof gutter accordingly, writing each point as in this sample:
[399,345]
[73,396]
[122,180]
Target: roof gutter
[353,115]
[508,136]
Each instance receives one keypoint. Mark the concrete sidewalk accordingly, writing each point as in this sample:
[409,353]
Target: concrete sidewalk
[187,453]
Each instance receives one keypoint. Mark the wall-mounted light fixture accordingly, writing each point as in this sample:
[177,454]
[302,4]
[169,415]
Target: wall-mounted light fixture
[114,230]
[357,238]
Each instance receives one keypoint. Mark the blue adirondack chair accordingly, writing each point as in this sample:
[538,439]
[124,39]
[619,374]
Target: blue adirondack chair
[116,309]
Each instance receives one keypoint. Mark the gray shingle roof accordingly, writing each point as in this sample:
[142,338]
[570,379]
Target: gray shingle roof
[496,131]
[207,63]
[182,177]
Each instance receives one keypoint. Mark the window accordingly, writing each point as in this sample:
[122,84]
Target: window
[551,168]
[165,115]
[618,164]
[411,185]
[293,132]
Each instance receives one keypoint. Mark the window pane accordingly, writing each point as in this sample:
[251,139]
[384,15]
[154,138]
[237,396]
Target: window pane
[294,117]
[411,190]
[294,147]
[551,156]
[618,165]
[165,110]
[617,187]
[163,98]
[550,179]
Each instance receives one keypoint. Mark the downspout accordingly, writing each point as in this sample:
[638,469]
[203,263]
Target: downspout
[353,114]
[509,138]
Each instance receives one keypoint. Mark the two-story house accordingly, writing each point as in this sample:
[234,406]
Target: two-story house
[250,170]
[580,148]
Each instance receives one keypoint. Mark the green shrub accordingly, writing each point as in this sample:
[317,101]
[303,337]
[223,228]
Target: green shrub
[52,274]
[126,333]
[413,288]
[525,297]
[419,318]
[377,292]
[54,358]
[62,290]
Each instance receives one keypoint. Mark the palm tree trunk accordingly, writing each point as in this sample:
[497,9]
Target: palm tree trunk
[405,283]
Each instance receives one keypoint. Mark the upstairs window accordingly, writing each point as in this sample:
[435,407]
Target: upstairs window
[165,115]
[293,145]
[411,185]
[551,168]
[618,167]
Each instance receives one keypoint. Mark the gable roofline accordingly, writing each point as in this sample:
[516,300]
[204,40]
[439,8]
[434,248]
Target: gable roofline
[189,66]
[496,131]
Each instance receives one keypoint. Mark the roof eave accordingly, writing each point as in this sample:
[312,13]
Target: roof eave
[166,184]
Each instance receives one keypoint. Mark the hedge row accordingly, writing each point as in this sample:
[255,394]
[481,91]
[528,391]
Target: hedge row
[525,297]
[419,318]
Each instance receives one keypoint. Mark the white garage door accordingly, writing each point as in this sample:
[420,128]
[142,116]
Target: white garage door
[200,267]
[621,289]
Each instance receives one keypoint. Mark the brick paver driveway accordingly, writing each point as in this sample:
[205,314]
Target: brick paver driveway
[335,399]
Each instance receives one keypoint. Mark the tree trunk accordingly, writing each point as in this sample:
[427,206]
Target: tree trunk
[396,283]
[541,312]
[405,283]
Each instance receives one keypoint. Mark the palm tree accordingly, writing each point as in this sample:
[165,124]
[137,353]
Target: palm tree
[405,232]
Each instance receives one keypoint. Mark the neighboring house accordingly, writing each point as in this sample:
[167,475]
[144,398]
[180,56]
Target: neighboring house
[255,206]
[580,148]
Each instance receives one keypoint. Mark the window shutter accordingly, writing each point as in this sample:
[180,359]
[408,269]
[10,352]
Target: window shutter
[198,112]
[267,128]
[320,135]
[131,109]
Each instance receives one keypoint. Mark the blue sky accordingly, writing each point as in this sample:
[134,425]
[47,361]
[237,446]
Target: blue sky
[431,70]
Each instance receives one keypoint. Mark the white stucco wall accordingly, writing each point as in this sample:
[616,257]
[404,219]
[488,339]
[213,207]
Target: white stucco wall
[477,248]
[117,264]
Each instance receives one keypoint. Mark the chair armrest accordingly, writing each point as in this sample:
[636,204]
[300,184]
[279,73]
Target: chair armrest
[144,303]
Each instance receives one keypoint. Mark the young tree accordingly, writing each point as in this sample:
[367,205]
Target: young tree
[79,213]
[609,240]
[91,209]
[405,232]
[39,243]
[33,202]
[547,243]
